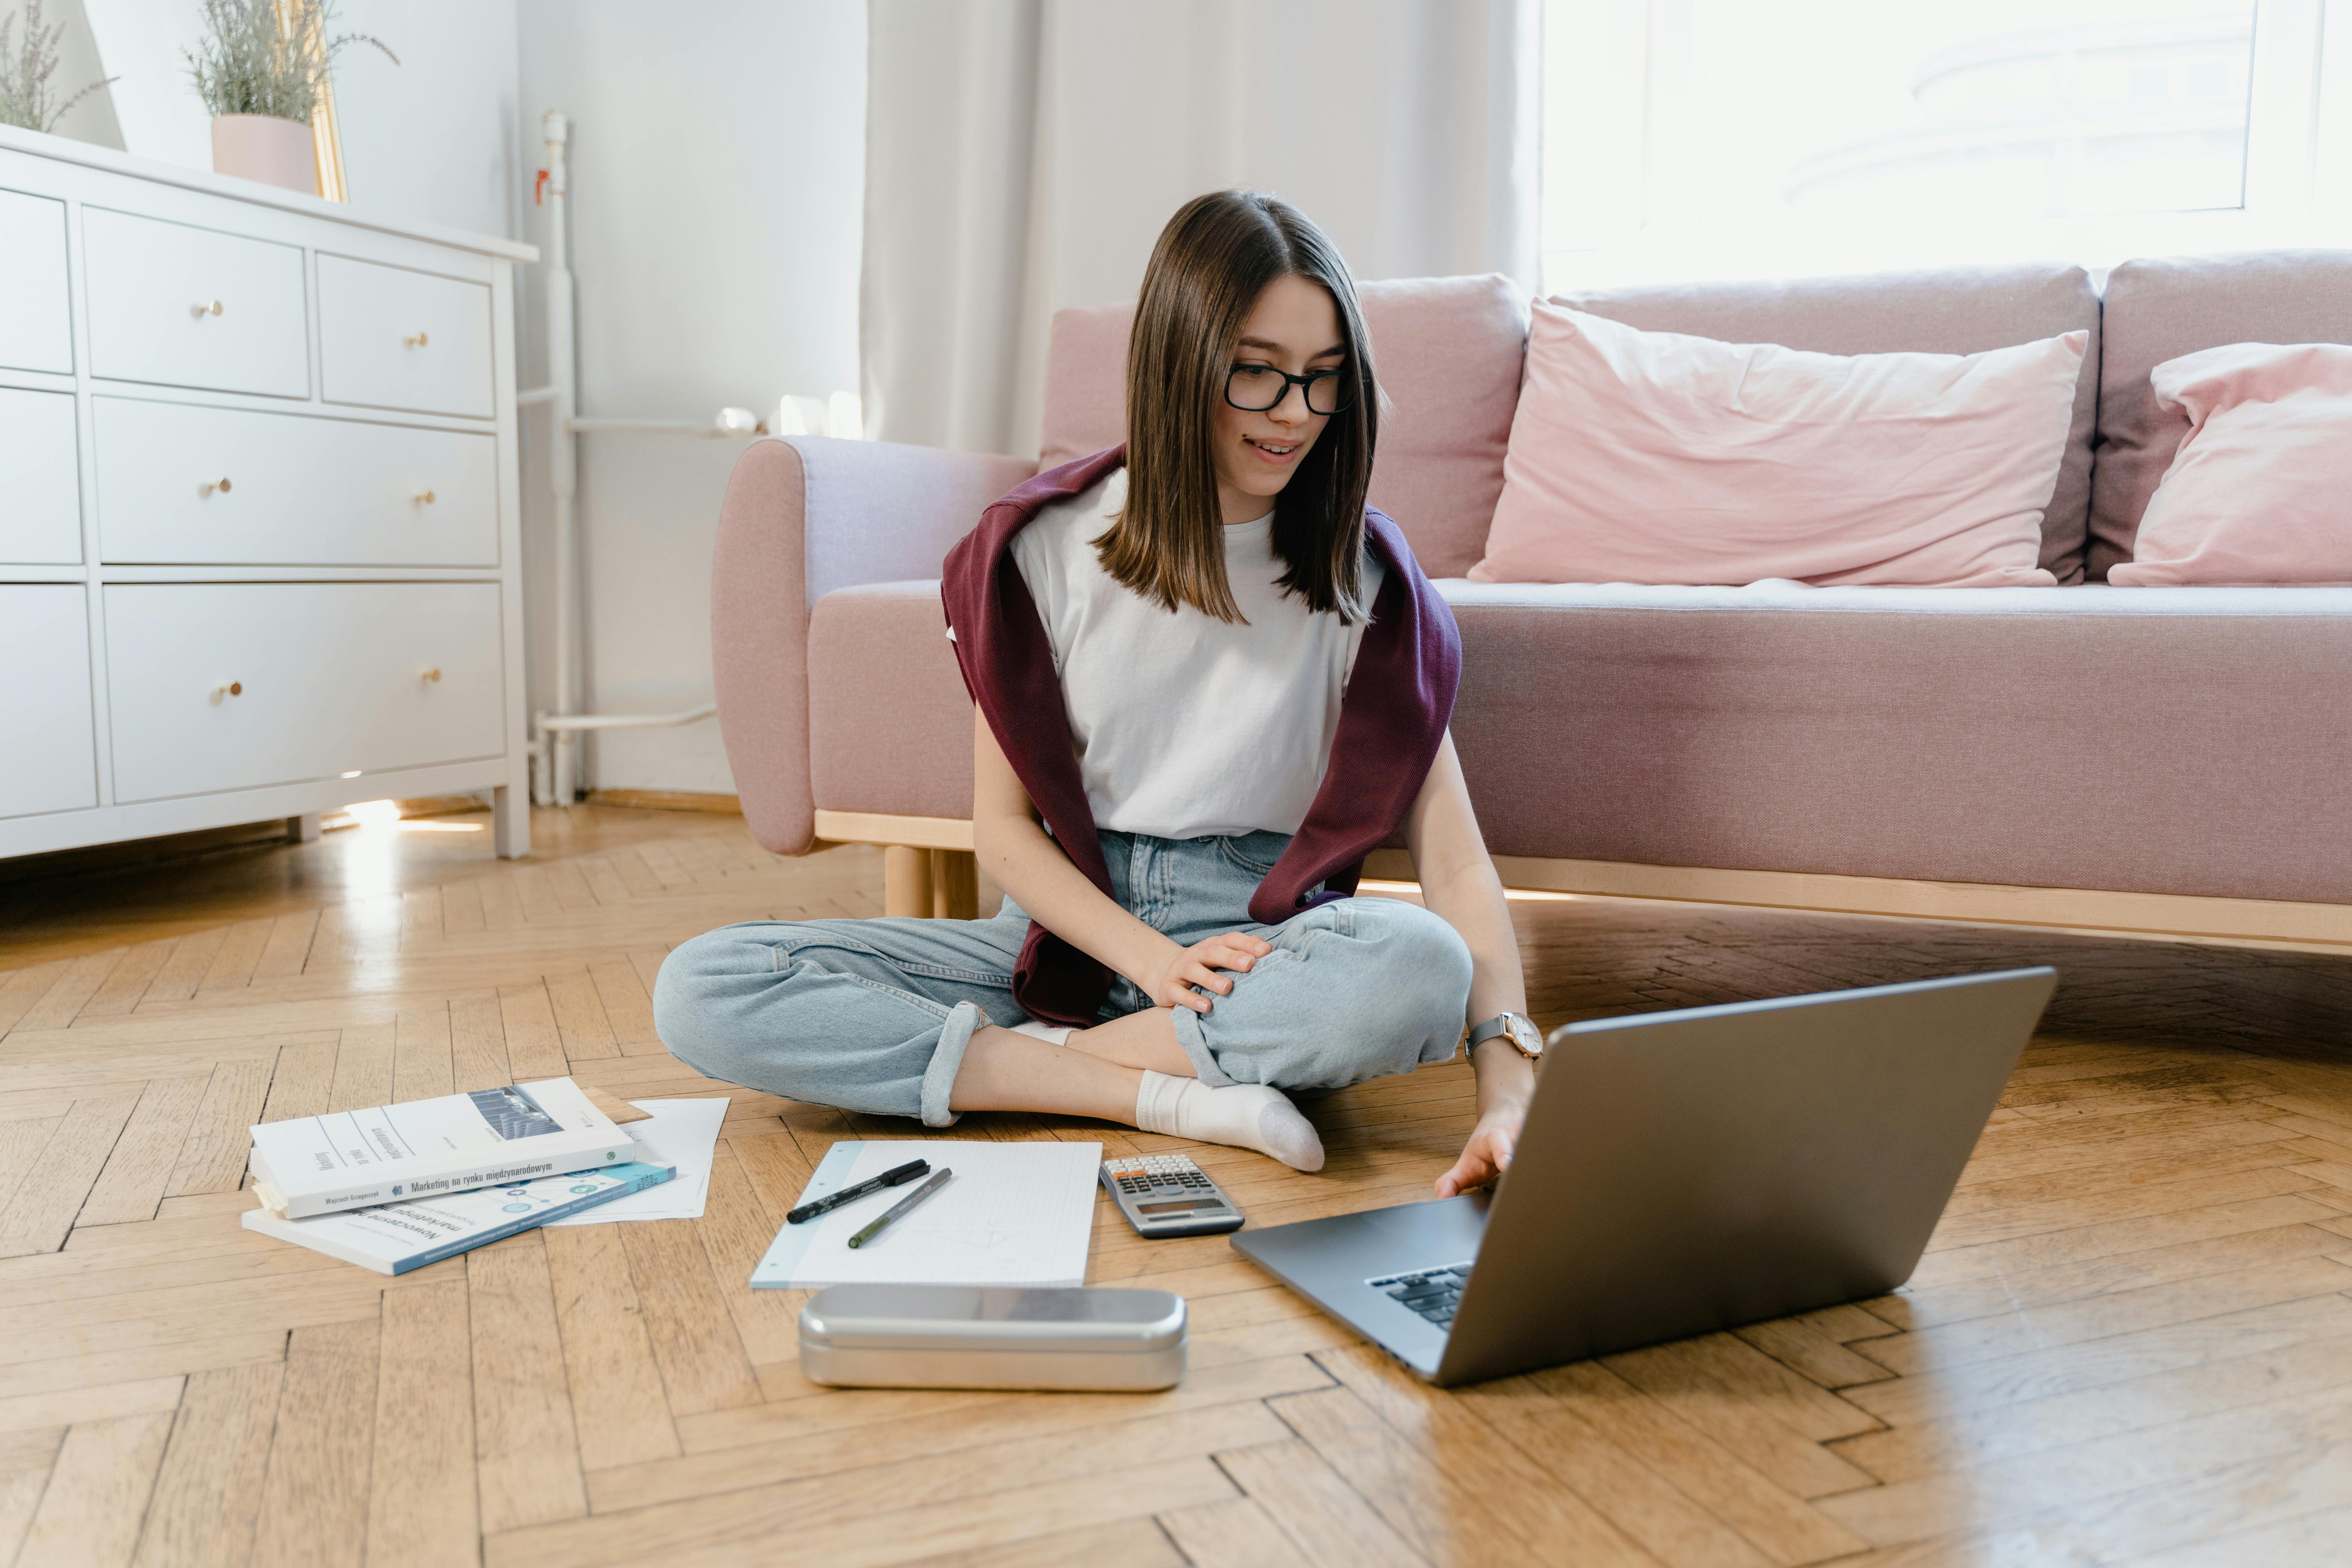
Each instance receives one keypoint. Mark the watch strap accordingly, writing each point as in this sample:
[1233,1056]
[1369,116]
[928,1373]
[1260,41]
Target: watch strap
[1500,1027]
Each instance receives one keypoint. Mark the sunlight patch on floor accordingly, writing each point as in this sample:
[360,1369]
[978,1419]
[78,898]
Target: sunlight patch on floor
[383,816]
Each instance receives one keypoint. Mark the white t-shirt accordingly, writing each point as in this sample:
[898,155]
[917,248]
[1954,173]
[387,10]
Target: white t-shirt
[1186,725]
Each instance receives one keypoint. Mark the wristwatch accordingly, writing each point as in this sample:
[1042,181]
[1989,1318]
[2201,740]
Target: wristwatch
[1518,1028]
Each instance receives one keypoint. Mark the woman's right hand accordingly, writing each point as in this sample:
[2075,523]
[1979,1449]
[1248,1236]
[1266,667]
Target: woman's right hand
[1197,965]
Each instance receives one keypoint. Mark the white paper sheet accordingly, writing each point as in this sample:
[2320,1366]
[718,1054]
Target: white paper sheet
[1015,1214]
[681,1133]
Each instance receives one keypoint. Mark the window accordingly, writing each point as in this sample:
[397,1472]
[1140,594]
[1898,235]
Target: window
[1702,139]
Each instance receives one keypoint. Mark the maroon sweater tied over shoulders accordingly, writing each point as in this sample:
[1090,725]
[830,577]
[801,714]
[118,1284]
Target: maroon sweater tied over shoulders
[1400,697]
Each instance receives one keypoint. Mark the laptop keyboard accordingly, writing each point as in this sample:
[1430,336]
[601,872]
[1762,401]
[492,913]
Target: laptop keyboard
[1432,1292]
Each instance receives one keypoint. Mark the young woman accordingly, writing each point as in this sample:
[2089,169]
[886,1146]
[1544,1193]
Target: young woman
[1209,681]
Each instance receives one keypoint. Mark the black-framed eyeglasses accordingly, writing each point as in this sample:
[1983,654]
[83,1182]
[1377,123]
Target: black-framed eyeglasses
[1259,387]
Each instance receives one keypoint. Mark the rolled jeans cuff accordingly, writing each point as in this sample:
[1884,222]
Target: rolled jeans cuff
[947,1060]
[1196,1047]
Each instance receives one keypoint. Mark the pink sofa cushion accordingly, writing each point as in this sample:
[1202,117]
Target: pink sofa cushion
[2261,490]
[1658,457]
[1963,311]
[2161,310]
[1976,735]
[1448,352]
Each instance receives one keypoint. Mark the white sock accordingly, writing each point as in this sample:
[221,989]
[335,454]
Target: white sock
[1046,1032]
[1245,1115]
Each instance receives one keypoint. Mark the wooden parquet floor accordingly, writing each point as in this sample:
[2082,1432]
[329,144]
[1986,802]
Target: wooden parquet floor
[2130,1342]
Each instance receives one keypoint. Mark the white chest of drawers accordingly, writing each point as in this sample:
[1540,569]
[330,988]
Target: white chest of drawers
[260,513]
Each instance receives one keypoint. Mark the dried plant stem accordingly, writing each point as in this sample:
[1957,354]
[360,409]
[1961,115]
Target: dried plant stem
[257,58]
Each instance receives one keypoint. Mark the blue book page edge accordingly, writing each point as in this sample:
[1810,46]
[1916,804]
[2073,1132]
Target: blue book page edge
[629,1178]
[792,1242]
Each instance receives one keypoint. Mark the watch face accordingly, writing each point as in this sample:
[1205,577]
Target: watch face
[1525,1035]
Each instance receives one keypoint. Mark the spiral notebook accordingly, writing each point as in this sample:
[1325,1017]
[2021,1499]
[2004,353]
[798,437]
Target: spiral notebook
[1014,1213]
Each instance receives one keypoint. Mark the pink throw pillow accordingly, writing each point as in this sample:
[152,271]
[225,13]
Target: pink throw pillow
[2260,490]
[1656,457]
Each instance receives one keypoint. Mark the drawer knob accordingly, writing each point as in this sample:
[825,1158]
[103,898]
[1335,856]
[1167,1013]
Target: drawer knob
[209,486]
[416,341]
[228,688]
[433,673]
[422,498]
[202,308]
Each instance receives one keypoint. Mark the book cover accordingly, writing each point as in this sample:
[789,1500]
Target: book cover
[312,1165]
[394,1238]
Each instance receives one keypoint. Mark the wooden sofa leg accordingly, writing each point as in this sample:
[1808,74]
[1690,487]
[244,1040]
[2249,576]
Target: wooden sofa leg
[955,885]
[906,881]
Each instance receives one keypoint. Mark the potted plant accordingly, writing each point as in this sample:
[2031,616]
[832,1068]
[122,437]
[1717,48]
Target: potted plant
[259,68]
[25,74]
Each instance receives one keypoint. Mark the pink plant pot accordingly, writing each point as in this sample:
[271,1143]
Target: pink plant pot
[263,147]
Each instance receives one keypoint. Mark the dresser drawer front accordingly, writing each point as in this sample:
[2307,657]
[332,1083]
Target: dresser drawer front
[36,332]
[48,761]
[329,678]
[300,490]
[390,338]
[40,478]
[153,289]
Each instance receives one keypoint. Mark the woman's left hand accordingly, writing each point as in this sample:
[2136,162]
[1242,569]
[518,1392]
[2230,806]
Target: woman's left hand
[1488,1152]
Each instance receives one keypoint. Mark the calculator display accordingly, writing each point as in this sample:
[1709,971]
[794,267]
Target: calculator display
[1186,1206]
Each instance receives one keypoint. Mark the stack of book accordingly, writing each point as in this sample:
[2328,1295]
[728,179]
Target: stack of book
[395,1187]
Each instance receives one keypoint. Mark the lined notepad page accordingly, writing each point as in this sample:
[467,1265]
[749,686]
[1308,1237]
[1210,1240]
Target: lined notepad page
[1014,1213]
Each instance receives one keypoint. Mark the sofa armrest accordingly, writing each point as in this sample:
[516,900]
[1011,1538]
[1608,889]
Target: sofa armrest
[804,516]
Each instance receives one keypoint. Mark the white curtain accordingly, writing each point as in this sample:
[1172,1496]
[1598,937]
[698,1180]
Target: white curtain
[1022,156]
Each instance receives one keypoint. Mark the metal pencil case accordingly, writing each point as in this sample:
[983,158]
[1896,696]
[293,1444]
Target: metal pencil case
[958,1336]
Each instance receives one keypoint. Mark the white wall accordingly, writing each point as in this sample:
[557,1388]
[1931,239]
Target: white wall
[155,105]
[717,192]
[438,138]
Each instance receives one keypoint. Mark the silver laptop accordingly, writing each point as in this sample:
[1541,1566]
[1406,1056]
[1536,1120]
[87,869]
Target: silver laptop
[1684,1172]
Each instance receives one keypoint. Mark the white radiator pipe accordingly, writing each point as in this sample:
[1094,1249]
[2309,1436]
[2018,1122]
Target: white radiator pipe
[563,454]
[732,423]
[554,747]
[559,723]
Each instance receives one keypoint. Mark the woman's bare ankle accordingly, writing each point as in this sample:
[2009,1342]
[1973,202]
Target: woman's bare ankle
[1145,1040]
[1006,1070]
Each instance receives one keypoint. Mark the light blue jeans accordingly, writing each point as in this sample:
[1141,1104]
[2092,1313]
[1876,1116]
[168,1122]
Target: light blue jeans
[873,1014]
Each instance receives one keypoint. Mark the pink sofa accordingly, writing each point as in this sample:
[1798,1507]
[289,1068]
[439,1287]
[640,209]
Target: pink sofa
[1905,749]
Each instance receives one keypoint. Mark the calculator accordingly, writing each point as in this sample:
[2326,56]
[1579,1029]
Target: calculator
[1167,1195]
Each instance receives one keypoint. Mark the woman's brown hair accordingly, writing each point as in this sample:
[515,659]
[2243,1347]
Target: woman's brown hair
[1213,261]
